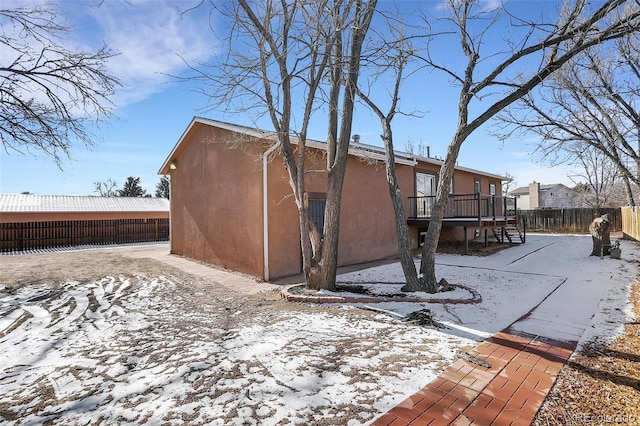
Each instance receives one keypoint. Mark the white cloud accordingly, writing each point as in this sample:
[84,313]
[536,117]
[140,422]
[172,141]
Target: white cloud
[154,39]
[485,5]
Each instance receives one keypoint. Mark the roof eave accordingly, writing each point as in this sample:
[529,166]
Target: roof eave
[164,170]
[376,153]
[438,162]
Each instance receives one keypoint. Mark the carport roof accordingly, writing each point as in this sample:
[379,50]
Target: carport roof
[30,203]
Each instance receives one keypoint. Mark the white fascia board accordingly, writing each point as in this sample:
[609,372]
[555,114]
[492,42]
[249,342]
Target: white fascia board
[213,123]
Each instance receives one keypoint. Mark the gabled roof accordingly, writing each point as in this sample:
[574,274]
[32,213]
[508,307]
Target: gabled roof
[524,190]
[30,203]
[551,186]
[356,149]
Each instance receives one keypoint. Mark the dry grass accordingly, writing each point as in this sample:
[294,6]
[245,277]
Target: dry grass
[601,385]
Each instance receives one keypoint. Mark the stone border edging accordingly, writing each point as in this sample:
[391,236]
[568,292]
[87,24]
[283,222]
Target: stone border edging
[290,297]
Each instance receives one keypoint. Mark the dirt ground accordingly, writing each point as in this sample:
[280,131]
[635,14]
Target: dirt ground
[598,386]
[184,315]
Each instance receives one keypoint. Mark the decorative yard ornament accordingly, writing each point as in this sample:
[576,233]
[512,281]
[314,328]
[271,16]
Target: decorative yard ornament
[615,252]
[600,230]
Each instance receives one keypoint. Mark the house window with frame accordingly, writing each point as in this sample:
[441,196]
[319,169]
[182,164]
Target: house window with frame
[492,189]
[476,186]
[425,192]
[317,204]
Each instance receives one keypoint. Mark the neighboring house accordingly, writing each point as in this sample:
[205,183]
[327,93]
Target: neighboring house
[537,196]
[231,202]
[29,221]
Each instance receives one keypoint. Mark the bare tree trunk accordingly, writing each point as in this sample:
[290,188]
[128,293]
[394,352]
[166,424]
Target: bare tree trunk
[402,230]
[600,234]
[628,190]
[429,282]
[323,273]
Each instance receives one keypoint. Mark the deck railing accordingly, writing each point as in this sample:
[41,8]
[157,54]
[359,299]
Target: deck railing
[465,206]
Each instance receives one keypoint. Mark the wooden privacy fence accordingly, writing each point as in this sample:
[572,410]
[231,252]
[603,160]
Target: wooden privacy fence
[631,222]
[568,220]
[19,236]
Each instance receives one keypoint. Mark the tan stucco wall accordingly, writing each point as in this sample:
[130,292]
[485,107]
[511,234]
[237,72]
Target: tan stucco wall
[367,224]
[216,201]
[285,255]
[217,205]
[367,229]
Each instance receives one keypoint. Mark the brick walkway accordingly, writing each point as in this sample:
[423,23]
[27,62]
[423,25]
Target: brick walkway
[508,391]
[525,358]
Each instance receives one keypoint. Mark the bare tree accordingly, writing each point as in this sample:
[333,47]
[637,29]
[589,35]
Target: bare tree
[420,148]
[392,55]
[49,94]
[592,104]
[551,44]
[298,59]
[602,186]
[508,183]
[106,189]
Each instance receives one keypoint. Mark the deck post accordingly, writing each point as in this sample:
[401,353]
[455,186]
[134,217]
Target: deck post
[493,207]
[466,241]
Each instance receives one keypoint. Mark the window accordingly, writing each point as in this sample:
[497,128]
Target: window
[476,183]
[451,192]
[425,192]
[317,203]
[492,188]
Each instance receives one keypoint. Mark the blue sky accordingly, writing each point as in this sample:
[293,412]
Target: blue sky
[152,110]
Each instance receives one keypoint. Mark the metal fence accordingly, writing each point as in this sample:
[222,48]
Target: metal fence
[568,220]
[19,236]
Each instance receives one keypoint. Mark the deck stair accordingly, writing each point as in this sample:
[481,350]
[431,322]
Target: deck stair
[511,233]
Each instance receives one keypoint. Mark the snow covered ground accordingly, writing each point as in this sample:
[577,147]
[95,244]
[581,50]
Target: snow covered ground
[151,349]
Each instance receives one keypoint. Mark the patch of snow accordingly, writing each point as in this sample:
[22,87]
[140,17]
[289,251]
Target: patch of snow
[133,350]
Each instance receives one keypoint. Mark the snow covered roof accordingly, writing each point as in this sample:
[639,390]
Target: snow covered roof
[30,203]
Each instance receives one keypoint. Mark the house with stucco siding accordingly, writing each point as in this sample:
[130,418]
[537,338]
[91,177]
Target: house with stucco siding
[539,196]
[231,203]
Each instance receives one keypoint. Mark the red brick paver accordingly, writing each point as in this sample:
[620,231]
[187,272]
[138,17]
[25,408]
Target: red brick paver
[508,392]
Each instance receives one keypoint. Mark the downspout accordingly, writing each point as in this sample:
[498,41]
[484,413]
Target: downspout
[170,215]
[265,210]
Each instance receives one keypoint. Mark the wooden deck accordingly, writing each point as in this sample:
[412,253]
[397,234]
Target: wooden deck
[493,216]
